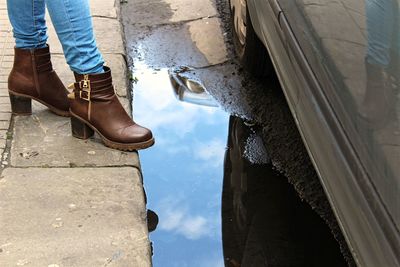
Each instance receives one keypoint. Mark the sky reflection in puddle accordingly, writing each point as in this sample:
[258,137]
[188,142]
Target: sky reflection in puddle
[183,172]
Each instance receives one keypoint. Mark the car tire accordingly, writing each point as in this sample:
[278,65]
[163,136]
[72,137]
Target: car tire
[250,50]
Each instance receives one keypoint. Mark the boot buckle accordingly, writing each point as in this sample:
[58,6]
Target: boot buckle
[85,95]
[85,91]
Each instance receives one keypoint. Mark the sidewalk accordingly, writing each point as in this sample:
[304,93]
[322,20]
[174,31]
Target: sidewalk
[64,201]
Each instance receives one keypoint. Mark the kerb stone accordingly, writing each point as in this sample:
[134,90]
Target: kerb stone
[73,217]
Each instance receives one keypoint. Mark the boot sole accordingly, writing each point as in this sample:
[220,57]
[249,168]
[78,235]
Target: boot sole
[20,105]
[86,130]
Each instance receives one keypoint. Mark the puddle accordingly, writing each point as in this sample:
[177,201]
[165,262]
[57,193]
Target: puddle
[211,184]
[263,219]
[183,172]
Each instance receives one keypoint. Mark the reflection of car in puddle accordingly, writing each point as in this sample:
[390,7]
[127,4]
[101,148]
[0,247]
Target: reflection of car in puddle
[189,89]
[264,223]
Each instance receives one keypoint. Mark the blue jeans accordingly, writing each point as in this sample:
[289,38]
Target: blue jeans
[73,24]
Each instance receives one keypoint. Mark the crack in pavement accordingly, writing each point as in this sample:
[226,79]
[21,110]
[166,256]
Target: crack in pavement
[172,23]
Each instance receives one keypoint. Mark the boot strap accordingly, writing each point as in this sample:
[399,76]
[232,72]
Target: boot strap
[44,67]
[81,89]
[101,94]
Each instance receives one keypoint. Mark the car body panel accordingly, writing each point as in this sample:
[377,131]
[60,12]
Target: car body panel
[320,63]
[270,30]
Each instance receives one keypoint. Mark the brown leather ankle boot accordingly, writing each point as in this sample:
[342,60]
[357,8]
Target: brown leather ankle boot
[33,77]
[95,107]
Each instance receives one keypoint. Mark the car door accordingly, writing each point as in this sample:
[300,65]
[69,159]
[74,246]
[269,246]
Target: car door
[336,47]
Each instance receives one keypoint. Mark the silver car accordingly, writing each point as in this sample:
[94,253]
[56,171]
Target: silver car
[338,65]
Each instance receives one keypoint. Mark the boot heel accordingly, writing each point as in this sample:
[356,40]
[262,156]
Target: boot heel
[80,129]
[21,105]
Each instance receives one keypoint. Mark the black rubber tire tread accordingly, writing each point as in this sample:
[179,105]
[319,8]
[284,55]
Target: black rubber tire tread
[253,55]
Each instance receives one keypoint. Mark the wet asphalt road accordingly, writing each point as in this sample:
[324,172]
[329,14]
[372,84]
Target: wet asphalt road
[171,34]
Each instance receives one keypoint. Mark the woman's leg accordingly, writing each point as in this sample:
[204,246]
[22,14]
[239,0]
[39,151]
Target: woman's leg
[27,18]
[94,104]
[73,24]
[32,75]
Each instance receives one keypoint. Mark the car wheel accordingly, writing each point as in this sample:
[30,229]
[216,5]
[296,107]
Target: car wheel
[250,50]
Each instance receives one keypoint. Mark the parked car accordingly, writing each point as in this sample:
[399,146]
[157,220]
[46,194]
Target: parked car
[338,66]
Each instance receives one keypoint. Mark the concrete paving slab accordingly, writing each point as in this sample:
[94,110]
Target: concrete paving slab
[3,134]
[207,36]
[117,64]
[73,217]
[62,69]
[191,10]
[45,140]
[101,8]
[5,116]
[127,105]
[172,45]
[109,35]
[164,46]
[170,11]
[3,78]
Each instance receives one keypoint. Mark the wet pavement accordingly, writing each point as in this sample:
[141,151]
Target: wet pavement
[184,171]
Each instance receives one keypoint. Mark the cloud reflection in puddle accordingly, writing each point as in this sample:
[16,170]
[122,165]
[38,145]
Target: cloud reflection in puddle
[183,172]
